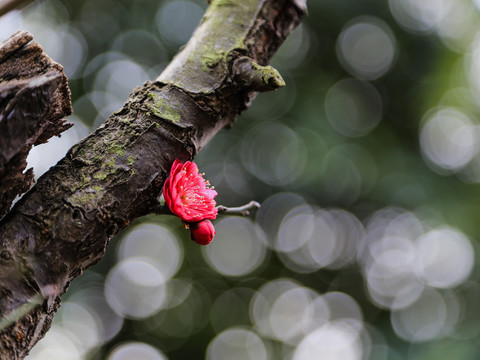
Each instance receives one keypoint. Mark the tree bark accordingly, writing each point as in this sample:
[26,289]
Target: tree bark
[63,224]
[34,98]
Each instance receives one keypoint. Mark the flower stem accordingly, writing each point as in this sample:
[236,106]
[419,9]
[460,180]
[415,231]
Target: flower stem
[240,210]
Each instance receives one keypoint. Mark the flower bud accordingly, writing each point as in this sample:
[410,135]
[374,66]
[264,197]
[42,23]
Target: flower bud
[202,232]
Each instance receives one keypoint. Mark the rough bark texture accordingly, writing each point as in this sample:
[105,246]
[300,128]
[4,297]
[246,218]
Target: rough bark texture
[34,97]
[64,223]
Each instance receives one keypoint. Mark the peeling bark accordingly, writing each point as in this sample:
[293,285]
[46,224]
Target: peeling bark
[34,98]
[115,175]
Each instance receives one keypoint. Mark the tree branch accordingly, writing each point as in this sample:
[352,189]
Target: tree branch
[113,176]
[34,97]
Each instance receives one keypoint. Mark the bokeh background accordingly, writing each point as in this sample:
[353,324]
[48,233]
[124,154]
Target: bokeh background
[367,166]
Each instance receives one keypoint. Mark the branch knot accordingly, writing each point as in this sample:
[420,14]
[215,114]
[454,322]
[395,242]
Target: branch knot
[247,73]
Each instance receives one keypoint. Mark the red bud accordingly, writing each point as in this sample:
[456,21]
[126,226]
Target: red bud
[202,232]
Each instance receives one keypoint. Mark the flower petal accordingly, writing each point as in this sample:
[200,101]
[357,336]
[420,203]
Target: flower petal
[187,195]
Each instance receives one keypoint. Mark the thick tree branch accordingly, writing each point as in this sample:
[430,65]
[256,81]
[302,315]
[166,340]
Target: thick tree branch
[34,97]
[64,223]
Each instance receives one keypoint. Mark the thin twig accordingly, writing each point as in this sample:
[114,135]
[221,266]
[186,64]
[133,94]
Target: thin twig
[240,210]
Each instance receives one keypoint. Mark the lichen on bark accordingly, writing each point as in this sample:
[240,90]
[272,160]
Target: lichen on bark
[223,30]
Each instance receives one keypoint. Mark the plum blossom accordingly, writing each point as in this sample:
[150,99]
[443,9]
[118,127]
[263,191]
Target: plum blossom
[189,197]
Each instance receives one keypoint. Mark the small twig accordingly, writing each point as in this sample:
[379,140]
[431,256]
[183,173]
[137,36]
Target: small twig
[256,77]
[240,210]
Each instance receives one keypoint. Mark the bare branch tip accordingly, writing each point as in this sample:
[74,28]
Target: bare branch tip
[256,77]
[240,210]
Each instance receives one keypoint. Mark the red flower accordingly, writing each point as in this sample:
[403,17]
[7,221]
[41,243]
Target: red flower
[187,194]
[202,232]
